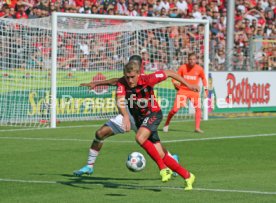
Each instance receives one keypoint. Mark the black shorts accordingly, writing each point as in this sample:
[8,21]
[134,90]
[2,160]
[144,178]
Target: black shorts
[152,122]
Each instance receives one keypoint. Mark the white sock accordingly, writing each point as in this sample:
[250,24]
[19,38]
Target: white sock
[92,156]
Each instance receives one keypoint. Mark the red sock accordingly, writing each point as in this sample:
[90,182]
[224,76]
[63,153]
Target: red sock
[170,115]
[173,165]
[197,118]
[151,150]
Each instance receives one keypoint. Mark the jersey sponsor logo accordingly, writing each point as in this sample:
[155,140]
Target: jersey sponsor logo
[189,77]
[159,75]
[120,89]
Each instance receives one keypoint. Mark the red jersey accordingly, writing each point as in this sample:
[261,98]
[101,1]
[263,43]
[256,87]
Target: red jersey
[192,76]
[140,99]
[142,67]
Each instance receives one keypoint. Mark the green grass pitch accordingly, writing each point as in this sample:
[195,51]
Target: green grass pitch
[234,161]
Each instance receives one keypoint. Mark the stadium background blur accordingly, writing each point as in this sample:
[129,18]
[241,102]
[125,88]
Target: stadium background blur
[233,160]
[254,20]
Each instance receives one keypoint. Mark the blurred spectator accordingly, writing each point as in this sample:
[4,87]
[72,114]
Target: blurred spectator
[158,6]
[86,8]
[213,6]
[165,4]
[264,4]
[131,11]
[84,53]
[254,20]
[214,29]
[254,14]
[203,6]
[21,12]
[11,3]
[239,16]
[174,13]
[58,4]
[222,24]
[150,11]
[45,4]
[190,6]
[208,15]
[144,10]
[268,28]
[35,13]
[110,10]
[224,13]
[196,13]
[182,6]
[272,60]
[5,11]
[216,16]
[240,6]
[94,9]
[163,13]
[122,7]
[220,57]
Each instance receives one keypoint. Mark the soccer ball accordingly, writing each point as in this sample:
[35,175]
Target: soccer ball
[136,162]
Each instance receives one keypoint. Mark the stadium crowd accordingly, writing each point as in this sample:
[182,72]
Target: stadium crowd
[255,24]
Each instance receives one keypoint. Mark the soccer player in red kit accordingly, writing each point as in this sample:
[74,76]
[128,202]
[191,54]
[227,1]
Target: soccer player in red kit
[113,127]
[135,91]
[191,72]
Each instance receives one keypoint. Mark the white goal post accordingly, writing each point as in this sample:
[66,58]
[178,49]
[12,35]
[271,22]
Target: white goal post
[43,61]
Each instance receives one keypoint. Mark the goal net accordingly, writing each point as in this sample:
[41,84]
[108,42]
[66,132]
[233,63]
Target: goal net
[43,61]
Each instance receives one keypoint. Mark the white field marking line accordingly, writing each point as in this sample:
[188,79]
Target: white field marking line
[222,138]
[222,119]
[128,141]
[44,139]
[141,187]
[32,129]
[97,125]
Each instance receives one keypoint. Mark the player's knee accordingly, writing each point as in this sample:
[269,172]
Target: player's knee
[98,139]
[103,133]
[140,139]
[161,154]
[197,110]
[99,136]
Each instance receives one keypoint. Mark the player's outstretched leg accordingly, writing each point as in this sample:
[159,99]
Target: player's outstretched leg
[153,150]
[189,182]
[197,120]
[167,123]
[173,165]
[166,174]
[175,156]
[87,169]
[96,146]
